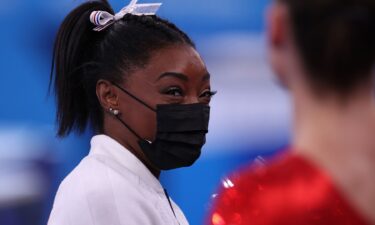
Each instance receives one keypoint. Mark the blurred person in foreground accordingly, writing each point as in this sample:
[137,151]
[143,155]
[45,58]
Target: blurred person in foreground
[139,83]
[323,51]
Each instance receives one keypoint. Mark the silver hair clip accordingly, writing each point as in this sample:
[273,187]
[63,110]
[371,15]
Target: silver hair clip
[103,19]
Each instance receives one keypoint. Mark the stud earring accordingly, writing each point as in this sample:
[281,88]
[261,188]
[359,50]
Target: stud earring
[115,112]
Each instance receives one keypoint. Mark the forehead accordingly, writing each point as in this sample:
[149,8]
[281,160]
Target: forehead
[180,59]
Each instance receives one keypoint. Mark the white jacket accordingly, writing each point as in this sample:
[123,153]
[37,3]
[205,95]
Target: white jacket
[111,186]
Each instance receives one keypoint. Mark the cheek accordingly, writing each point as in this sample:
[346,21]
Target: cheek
[149,125]
[144,122]
[141,119]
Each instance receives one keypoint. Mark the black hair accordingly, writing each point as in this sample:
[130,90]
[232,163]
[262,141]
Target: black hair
[336,39]
[82,56]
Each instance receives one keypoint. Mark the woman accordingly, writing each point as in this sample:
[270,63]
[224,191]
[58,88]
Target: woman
[323,51]
[139,83]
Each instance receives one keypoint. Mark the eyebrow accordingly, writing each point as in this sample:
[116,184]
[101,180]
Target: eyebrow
[173,74]
[181,76]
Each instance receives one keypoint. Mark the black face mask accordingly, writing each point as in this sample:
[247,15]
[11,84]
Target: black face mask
[181,133]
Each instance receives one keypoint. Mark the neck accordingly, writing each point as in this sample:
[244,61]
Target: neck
[137,152]
[334,128]
[130,142]
[339,137]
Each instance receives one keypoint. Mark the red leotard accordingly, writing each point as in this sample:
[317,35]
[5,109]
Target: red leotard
[288,191]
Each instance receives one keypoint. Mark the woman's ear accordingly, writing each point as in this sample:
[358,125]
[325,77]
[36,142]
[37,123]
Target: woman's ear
[278,37]
[277,25]
[107,94]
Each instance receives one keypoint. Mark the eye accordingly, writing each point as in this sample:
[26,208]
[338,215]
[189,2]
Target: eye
[208,94]
[174,91]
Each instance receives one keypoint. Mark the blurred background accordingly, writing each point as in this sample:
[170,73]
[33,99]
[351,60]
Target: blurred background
[250,113]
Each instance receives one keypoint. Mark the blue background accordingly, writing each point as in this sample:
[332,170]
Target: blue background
[250,114]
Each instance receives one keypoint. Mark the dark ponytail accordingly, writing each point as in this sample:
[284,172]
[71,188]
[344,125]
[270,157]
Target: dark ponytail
[82,56]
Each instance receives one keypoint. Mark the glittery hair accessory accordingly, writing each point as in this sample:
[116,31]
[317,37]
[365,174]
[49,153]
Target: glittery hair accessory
[103,19]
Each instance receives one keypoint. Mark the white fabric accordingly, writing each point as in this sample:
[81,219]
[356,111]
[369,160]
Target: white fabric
[111,186]
[104,19]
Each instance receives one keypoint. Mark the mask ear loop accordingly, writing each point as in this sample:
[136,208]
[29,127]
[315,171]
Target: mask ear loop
[135,98]
[129,128]
[117,115]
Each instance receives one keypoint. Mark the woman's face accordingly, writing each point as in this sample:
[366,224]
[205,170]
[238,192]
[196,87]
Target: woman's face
[174,75]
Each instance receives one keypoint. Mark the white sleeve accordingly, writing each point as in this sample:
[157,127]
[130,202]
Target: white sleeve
[65,209]
[84,198]
[87,197]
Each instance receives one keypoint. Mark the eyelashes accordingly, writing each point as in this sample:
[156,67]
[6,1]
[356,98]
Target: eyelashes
[176,91]
[173,91]
[208,94]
